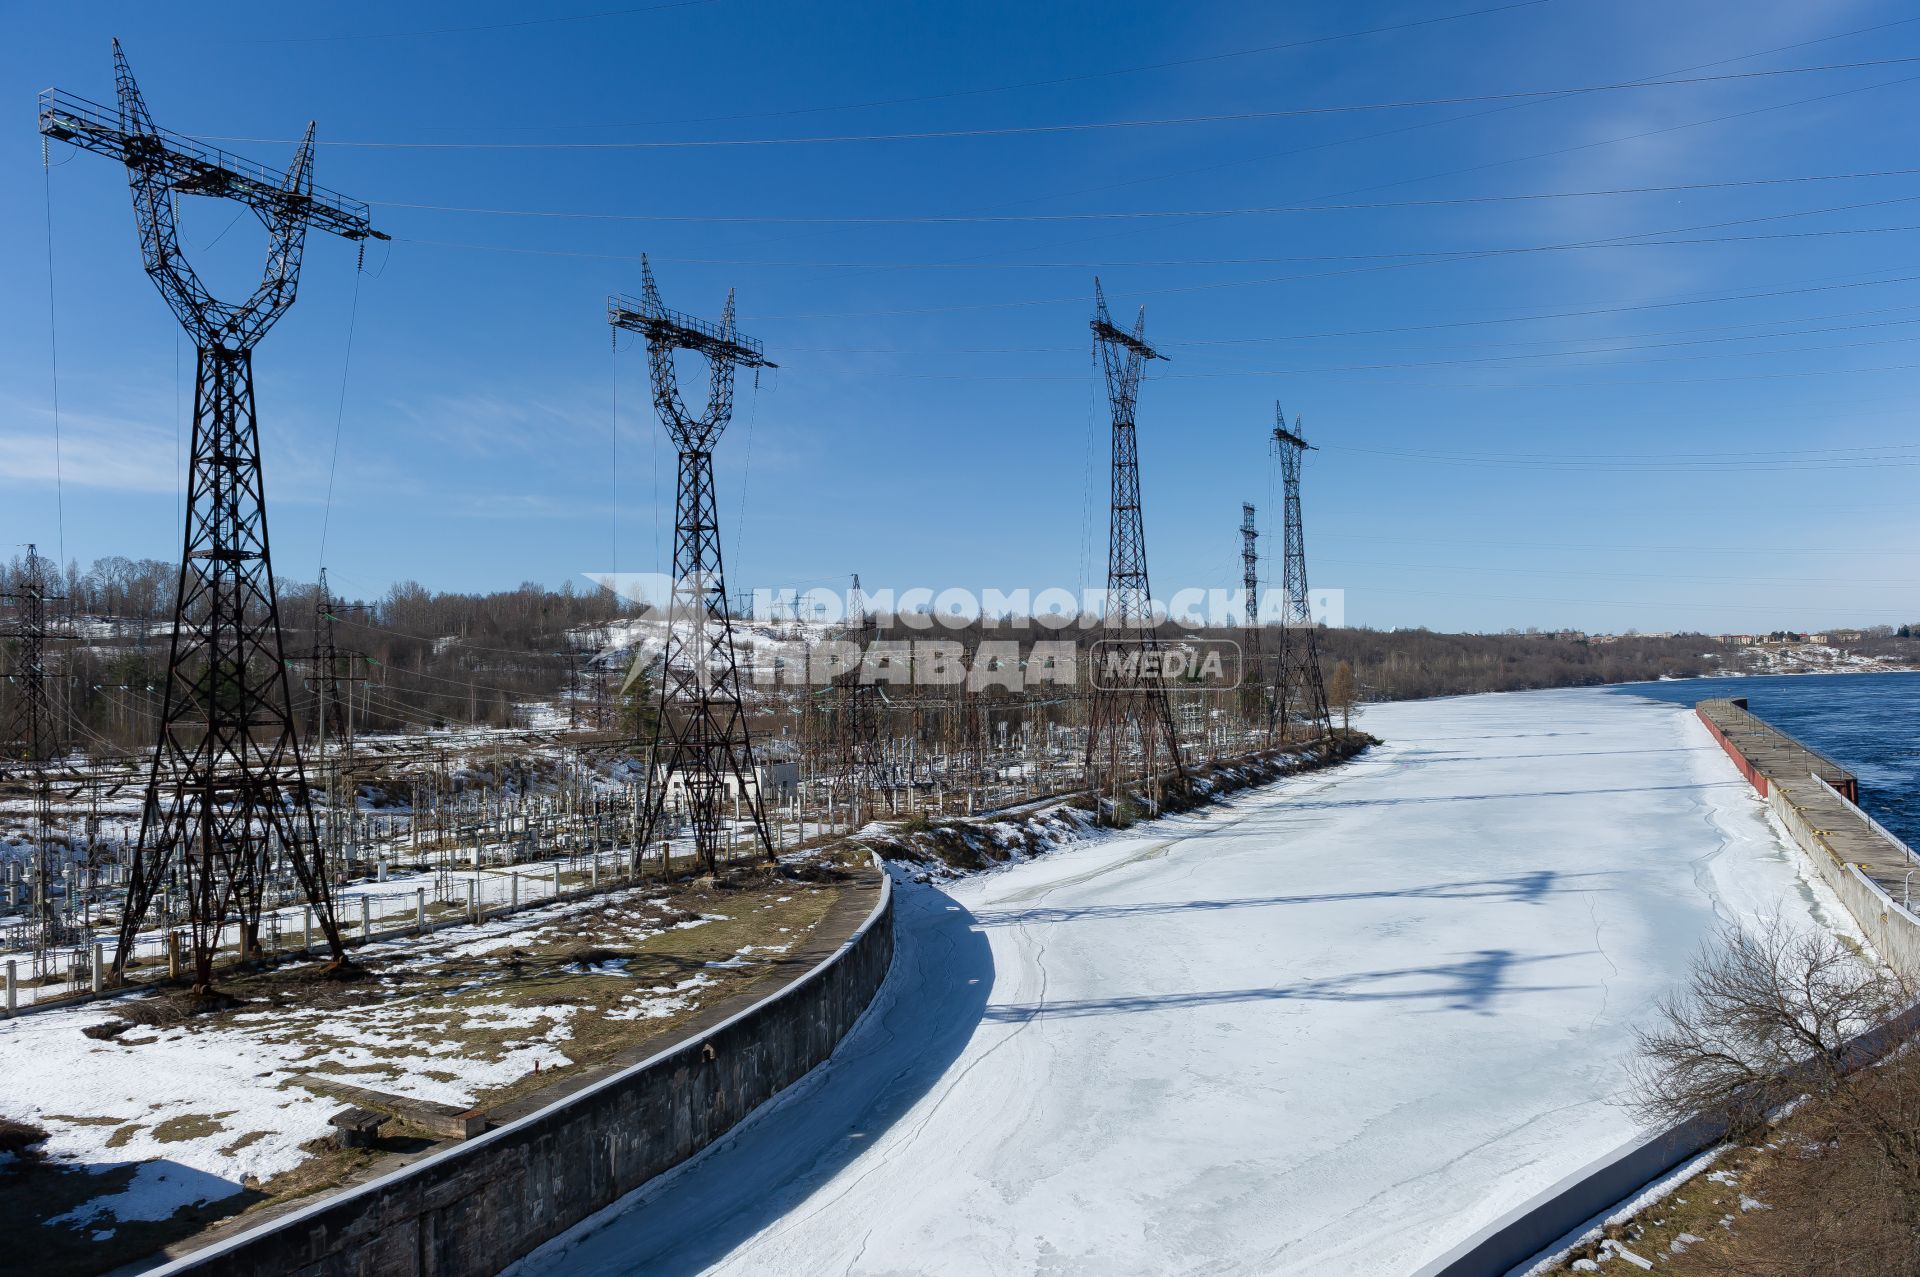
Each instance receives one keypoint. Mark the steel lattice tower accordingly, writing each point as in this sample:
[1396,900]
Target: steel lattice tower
[330,715]
[1251,665]
[1299,691]
[30,717]
[32,734]
[857,724]
[227,792]
[703,720]
[1130,715]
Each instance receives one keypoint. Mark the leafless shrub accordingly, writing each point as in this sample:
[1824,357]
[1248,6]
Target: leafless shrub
[1765,1017]
[1769,1016]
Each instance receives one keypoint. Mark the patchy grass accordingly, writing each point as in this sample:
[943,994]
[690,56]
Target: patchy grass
[18,1138]
[192,1127]
[1692,1219]
[476,1015]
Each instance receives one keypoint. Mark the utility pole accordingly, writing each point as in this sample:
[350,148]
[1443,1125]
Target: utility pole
[1130,714]
[573,688]
[228,789]
[702,727]
[1298,689]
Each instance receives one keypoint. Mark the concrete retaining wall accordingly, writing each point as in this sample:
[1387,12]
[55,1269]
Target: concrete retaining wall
[1891,930]
[1559,1217]
[472,1209]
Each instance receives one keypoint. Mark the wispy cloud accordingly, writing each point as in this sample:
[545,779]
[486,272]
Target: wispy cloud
[94,451]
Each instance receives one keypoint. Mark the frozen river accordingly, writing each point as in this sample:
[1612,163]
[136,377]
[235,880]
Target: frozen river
[1331,1027]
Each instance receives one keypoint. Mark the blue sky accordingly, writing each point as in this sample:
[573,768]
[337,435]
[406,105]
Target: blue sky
[1705,434]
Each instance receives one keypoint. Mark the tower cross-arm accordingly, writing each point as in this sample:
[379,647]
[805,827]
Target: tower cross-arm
[193,168]
[1110,333]
[1288,438]
[163,165]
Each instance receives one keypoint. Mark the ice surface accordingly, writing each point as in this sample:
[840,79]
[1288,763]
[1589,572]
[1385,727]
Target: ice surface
[1332,1027]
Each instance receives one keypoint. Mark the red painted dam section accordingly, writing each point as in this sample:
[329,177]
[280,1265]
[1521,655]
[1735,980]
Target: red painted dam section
[1754,775]
[1767,756]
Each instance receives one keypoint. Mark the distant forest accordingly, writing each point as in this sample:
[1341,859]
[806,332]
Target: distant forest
[411,658]
[414,657]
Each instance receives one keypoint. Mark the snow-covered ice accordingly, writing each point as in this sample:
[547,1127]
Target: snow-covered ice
[1332,1027]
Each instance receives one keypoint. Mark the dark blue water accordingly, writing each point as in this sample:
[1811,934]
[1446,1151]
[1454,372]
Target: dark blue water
[1868,723]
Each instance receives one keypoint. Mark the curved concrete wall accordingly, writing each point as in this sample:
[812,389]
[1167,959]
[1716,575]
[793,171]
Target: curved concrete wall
[1556,1217]
[476,1207]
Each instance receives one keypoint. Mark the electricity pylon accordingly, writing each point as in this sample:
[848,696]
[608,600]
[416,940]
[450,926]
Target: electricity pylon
[1299,692]
[1252,667]
[702,727]
[227,792]
[857,714]
[32,736]
[1130,717]
[28,742]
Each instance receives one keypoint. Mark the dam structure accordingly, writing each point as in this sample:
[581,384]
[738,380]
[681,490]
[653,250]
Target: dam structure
[1817,801]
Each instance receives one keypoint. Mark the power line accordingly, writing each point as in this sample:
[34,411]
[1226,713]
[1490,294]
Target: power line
[1601,574]
[1390,262]
[1268,157]
[53,354]
[1626,466]
[1056,81]
[1025,130]
[1663,381]
[1744,550]
[1566,354]
[1402,259]
[1209,344]
[1858,450]
[1259,210]
[1528,598]
[340,413]
[491,26]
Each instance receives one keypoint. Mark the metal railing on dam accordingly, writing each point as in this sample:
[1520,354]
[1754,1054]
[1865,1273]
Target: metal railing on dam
[1819,802]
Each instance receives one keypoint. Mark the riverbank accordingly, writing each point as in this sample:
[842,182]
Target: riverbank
[1331,1025]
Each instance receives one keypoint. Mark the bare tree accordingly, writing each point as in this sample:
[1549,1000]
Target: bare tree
[1776,1014]
[1342,693]
[1765,1017]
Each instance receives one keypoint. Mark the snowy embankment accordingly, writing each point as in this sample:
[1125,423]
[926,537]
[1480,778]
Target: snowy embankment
[1330,1027]
[200,1112]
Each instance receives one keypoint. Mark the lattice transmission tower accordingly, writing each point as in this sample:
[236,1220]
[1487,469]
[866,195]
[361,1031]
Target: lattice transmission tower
[1299,693]
[1130,721]
[1252,665]
[33,736]
[857,715]
[227,794]
[331,719]
[702,727]
[30,712]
